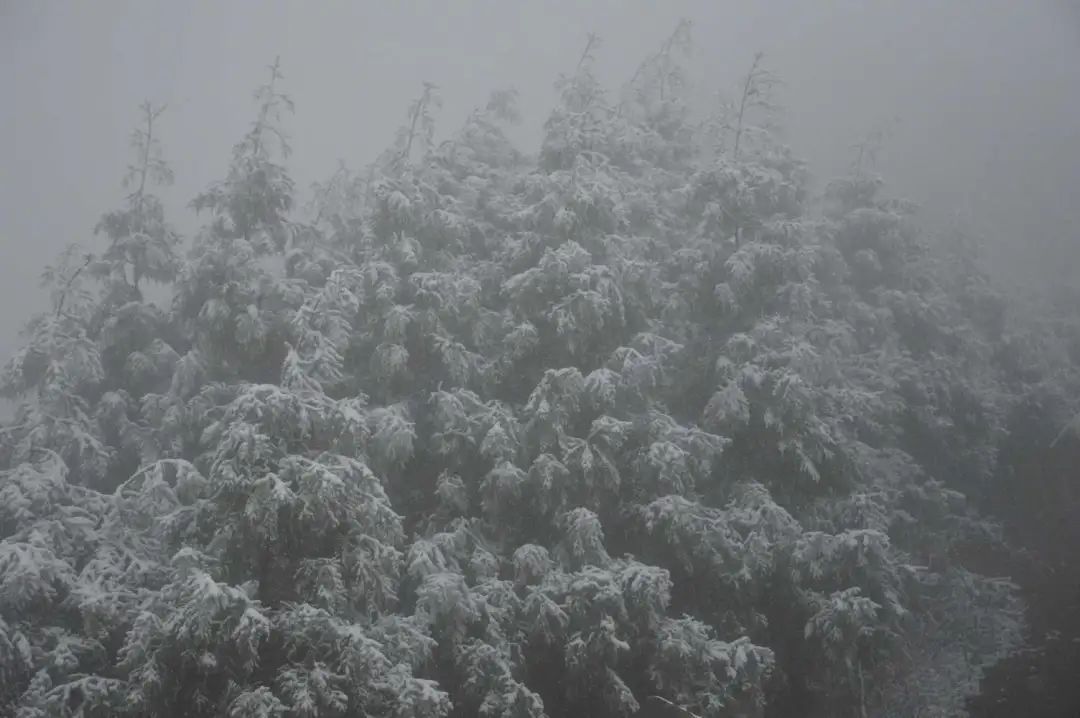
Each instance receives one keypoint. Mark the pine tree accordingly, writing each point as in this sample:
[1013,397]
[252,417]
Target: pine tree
[624,426]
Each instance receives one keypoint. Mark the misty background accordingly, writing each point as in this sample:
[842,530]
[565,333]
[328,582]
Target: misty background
[986,94]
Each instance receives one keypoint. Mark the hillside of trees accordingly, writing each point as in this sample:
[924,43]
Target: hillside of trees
[633,424]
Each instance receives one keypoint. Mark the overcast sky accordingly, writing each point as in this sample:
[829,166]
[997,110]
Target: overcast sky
[987,93]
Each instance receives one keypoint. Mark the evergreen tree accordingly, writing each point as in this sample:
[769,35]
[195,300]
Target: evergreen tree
[626,426]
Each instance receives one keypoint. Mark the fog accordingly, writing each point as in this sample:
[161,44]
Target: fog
[986,94]
[627,426]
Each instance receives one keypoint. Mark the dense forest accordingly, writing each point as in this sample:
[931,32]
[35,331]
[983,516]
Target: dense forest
[640,423]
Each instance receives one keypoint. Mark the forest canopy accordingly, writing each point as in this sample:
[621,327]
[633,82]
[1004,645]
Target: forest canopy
[634,424]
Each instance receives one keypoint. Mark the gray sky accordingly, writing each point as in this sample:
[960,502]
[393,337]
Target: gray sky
[987,92]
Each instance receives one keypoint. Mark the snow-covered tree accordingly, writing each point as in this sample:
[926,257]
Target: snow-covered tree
[625,425]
